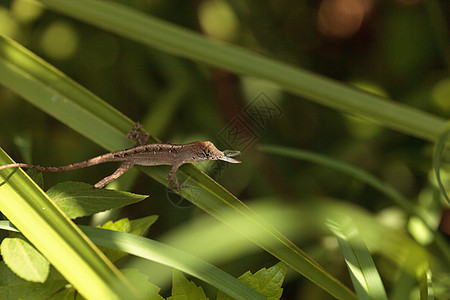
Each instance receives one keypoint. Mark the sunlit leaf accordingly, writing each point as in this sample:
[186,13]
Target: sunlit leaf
[363,272]
[24,260]
[78,199]
[183,289]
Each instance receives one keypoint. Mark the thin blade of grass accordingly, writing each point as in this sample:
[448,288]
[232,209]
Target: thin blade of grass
[403,286]
[363,272]
[425,284]
[344,168]
[52,91]
[169,256]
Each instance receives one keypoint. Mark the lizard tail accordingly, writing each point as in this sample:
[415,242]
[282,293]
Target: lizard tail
[22,165]
[79,165]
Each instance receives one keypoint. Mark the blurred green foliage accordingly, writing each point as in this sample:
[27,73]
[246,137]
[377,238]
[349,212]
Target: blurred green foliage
[399,51]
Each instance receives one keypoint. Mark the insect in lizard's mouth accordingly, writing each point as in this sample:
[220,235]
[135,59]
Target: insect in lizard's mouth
[228,154]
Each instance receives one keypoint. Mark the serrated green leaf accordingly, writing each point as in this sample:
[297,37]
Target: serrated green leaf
[137,227]
[183,289]
[24,260]
[122,225]
[141,283]
[78,199]
[13,287]
[267,282]
[141,226]
[363,272]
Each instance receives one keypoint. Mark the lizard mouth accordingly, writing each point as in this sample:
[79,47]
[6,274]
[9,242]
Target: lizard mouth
[228,154]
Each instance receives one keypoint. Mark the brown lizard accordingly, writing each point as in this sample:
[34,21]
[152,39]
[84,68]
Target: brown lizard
[146,155]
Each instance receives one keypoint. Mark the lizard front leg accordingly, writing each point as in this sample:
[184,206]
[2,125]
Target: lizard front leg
[122,169]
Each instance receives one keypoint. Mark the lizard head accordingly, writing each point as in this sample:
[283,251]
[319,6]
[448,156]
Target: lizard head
[207,151]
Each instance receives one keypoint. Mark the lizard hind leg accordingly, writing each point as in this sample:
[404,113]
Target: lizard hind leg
[122,169]
[173,182]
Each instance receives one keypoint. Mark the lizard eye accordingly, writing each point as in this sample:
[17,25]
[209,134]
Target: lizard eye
[206,153]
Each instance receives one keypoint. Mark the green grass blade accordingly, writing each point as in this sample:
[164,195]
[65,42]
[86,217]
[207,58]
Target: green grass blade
[53,92]
[161,253]
[57,238]
[344,168]
[403,286]
[363,272]
[437,156]
[148,30]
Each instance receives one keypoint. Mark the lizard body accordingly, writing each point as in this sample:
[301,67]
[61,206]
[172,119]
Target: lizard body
[145,155]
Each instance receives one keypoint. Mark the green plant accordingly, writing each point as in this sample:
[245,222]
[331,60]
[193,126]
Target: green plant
[71,251]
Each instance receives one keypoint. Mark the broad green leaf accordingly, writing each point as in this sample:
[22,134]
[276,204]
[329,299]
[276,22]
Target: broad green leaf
[267,282]
[439,149]
[67,293]
[122,225]
[183,289]
[403,286]
[78,199]
[363,272]
[141,283]
[24,260]
[137,227]
[13,287]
